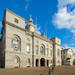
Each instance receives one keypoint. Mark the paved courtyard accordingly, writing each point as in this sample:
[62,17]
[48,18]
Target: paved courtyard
[64,70]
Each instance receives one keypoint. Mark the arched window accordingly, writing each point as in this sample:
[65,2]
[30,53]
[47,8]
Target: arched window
[17,60]
[42,50]
[16,43]
[47,51]
[36,49]
[28,48]
[51,52]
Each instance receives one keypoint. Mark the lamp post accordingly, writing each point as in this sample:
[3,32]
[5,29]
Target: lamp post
[49,70]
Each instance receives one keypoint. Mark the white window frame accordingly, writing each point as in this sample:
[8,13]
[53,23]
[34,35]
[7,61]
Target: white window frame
[16,43]
[28,48]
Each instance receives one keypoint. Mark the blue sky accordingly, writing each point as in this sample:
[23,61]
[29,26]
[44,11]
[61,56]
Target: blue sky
[59,15]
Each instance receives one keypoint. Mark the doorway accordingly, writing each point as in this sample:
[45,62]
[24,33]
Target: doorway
[37,62]
[42,62]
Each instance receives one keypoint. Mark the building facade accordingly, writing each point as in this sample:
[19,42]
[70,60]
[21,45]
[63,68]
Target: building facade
[23,47]
[67,56]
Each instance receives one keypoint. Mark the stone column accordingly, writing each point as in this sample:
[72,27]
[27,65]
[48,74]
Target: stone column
[39,63]
[45,62]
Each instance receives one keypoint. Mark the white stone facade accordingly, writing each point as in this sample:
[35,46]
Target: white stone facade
[22,47]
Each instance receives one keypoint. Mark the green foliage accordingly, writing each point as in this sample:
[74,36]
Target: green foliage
[74,62]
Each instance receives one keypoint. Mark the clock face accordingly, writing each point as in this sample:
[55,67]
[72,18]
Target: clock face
[32,29]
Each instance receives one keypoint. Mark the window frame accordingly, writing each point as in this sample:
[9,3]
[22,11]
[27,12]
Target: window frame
[42,49]
[16,43]
[37,50]
[16,20]
[28,51]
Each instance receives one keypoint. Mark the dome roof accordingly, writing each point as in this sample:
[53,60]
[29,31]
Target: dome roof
[30,20]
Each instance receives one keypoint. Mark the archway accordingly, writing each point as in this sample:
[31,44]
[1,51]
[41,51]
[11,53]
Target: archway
[37,62]
[42,49]
[68,61]
[17,62]
[42,62]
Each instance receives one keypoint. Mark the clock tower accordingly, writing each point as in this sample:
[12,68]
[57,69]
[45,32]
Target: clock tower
[31,26]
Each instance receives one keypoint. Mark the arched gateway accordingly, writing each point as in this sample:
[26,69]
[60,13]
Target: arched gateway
[42,62]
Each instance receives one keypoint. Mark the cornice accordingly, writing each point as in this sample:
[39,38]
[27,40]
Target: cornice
[56,44]
[30,33]
[13,25]
[42,38]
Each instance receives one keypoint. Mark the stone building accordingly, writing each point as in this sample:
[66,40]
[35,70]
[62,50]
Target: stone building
[23,47]
[67,56]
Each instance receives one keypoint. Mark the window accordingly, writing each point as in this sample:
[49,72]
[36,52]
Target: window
[16,20]
[36,49]
[16,43]
[17,60]
[58,41]
[64,52]
[28,48]
[28,39]
[47,45]
[47,51]
[51,52]
[64,57]
[42,50]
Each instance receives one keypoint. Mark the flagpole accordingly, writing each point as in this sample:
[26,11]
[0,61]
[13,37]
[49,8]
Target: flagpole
[46,30]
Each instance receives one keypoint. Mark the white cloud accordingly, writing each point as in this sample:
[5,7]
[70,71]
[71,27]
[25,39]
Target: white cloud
[73,44]
[26,7]
[65,46]
[0,24]
[27,4]
[62,3]
[64,18]
[0,27]
[73,31]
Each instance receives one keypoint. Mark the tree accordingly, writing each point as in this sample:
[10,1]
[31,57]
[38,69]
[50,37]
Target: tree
[73,62]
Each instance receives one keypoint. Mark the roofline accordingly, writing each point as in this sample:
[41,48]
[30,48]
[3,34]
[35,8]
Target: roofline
[55,37]
[14,13]
[67,49]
